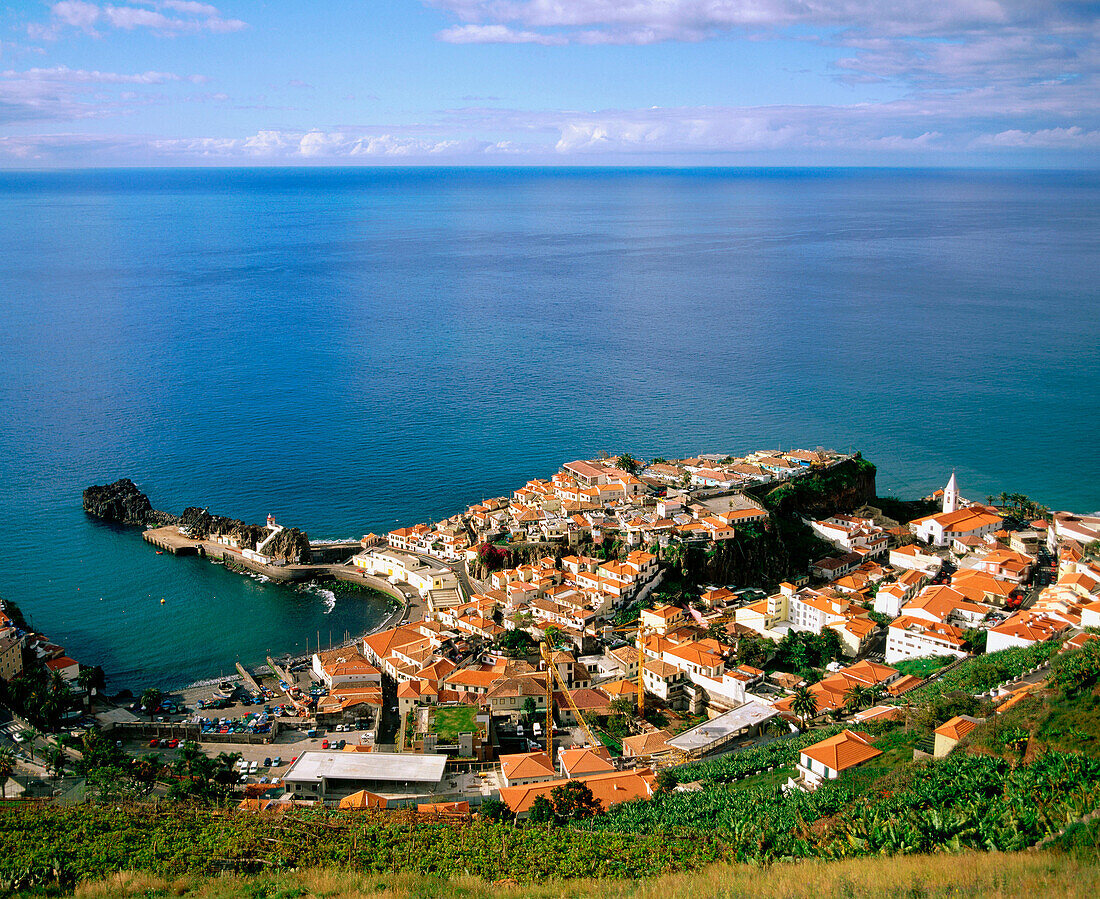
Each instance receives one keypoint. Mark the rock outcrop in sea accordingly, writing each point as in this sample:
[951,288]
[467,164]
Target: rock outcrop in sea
[122,502]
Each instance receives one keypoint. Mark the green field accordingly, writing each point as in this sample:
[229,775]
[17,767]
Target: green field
[447,724]
[921,667]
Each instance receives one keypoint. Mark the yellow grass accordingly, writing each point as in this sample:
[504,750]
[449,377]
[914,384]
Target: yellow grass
[992,875]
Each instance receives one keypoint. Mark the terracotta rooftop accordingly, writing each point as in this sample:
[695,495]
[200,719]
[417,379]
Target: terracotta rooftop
[846,750]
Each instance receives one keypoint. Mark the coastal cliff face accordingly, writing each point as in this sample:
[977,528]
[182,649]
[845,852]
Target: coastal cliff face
[845,487]
[785,545]
[290,544]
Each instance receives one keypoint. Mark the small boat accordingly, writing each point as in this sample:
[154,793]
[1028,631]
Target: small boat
[160,552]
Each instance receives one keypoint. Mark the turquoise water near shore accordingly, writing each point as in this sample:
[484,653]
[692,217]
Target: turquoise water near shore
[355,349]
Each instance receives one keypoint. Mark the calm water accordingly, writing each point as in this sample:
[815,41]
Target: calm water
[351,349]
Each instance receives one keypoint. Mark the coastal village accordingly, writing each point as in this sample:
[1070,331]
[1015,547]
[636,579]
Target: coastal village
[559,635]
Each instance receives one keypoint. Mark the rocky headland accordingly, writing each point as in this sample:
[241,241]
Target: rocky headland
[123,503]
[290,544]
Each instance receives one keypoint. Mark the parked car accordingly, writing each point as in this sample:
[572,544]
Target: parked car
[173,743]
[277,762]
[267,762]
[153,743]
[324,744]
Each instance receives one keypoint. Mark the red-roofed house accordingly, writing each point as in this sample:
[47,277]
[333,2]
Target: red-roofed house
[526,768]
[608,789]
[583,761]
[825,760]
[68,668]
[951,731]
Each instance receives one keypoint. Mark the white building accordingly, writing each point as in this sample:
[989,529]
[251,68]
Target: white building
[399,567]
[825,760]
[398,778]
[911,558]
[915,638]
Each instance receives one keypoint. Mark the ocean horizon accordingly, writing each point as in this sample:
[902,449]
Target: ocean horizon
[356,349]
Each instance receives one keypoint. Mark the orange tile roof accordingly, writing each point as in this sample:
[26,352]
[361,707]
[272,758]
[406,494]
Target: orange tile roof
[586,760]
[904,683]
[522,765]
[648,744]
[958,727]
[846,750]
[610,789]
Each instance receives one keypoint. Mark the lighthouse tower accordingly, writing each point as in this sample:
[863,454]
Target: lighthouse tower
[951,495]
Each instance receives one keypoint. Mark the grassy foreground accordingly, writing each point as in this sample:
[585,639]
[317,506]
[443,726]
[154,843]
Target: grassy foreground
[991,875]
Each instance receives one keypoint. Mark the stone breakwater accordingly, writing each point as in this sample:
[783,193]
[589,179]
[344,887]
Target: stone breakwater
[123,503]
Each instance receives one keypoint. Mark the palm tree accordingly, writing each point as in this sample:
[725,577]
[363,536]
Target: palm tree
[855,698]
[29,735]
[804,704]
[150,700]
[7,766]
[87,679]
[55,759]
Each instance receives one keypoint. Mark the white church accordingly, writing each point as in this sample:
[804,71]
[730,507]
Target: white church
[957,520]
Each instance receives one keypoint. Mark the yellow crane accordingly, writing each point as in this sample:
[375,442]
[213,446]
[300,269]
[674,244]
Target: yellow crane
[641,667]
[639,647]
[552,674]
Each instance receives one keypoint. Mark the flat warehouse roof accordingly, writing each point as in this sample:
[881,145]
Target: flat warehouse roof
[709,732]
[313,766]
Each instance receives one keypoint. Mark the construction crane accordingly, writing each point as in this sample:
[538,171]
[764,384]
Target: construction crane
[553,674]
[640,649]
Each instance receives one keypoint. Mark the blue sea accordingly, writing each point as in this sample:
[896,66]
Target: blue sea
[357,349]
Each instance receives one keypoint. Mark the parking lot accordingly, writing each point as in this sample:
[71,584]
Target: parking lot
[288,746]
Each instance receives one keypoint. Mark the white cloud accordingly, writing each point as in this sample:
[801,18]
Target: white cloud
[76,14]
[963,44]
[1073,138]
[496,34]
[949,130]
[65,75]
[699,19]
[64,95]
[185,18]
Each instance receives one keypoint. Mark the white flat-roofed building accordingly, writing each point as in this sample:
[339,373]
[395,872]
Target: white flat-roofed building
[911,558]
[422,574]
[721,732]
[333,775]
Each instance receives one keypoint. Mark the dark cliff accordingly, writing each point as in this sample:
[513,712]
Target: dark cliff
[121,502]
[784,546]
[290,544]
[845,487]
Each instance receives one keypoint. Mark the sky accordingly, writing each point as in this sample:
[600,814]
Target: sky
[993,83]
